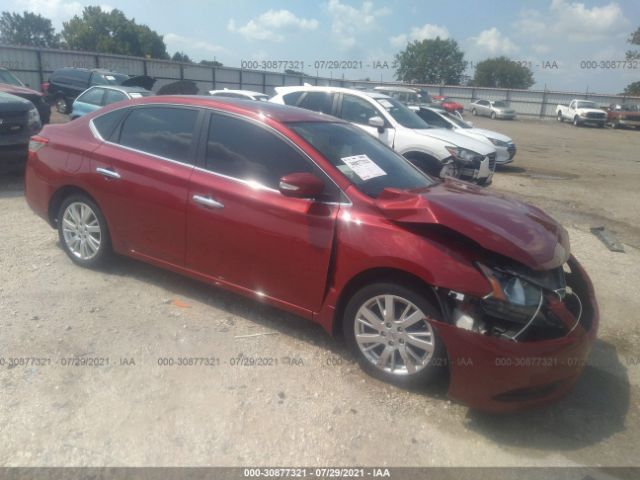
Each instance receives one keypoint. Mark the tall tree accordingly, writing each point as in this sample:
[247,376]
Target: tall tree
[181,57]
[634,39]
[633,89]
[112,32]
[28,29]
[501,72]
[431,61]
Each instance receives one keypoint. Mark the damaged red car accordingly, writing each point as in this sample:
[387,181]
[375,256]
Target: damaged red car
[312,215]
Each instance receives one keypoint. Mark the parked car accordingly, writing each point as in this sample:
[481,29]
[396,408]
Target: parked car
[625,115]
[436,151]
[505,146]
[65,84]
[246,94]
[97,97]
[582,112]
[19,119]
[406,95]
[492,108]
[448,104]
[309,213]
[11,84]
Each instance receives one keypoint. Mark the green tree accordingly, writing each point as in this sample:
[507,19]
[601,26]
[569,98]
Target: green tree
[501,72]
[633,89]
[634,39]
[211,63]
[112,32]
[181,57]
[28,29]
[431,61]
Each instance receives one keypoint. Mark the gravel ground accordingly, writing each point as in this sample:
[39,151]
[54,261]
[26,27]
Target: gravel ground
[315,407]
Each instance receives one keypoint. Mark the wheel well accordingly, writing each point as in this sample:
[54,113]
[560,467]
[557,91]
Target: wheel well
[379,275]
[425,161]
[59,197]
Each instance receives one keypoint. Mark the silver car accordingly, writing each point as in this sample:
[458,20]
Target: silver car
[493,108]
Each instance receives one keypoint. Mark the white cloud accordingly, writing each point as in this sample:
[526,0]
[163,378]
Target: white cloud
[582,24]
[427,31]
[269,25]
[348,21]
[494,42]
[57,11]
[179,43]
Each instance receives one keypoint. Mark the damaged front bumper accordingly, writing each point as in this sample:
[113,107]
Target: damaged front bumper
[498,373]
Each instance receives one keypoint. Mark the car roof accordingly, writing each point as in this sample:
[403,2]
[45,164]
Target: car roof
[395,89]
[240,92]
[313,88]
[124,89]
[275,111]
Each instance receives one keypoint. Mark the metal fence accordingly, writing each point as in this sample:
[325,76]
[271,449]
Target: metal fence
[34,65]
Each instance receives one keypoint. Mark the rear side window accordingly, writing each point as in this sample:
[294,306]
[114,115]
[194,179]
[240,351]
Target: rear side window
[106,124]
[263,159]
[113,96]
[317,102]
[92,97]
[292,98]
[162,131]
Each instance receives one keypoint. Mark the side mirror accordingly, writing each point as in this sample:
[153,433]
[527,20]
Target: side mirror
[301,185]
[376,121]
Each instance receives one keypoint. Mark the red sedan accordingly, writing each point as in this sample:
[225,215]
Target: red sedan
[310,214]
[448,104]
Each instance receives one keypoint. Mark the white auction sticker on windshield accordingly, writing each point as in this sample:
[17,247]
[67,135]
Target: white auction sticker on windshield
[111,78]
[135,95]
[363,166]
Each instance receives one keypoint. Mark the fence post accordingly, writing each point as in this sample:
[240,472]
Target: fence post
[40,71]
[97,60]
[144,66]
[181,71]
[544,101]
[240,79]
[213,77]
[264,82]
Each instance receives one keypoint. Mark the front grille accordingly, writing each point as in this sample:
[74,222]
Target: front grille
[596,115]
[492,161]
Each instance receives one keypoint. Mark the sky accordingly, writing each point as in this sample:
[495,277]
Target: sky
[553,37]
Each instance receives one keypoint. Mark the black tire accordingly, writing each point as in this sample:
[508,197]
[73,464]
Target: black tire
[434,365]
[493,115]
[576,121]
[103,250]
[427,164]
[560,117]
[62,105]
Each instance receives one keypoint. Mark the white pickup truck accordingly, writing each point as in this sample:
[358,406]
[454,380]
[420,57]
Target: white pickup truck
[581,112]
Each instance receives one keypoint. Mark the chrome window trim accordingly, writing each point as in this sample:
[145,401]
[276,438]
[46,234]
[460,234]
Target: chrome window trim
[248,183]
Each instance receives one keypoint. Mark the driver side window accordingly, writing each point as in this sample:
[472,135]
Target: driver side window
[357,110]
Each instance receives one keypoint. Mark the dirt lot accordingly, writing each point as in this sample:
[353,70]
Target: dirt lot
[320,409]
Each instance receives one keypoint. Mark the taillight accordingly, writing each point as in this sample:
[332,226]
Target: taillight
[36,143]
[44,87]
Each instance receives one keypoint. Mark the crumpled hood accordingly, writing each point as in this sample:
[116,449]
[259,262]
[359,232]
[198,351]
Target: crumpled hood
[497,223]
[457,140]
[16,90]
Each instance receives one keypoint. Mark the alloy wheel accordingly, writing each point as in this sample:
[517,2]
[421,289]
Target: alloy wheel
[81,231]
[394,335]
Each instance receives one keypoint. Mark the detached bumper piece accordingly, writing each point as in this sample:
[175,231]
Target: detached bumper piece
[502,359]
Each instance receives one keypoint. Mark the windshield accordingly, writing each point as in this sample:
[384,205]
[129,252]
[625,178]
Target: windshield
[364,160]
[401,114]
[586,105]
[500,104]
[457,120]
[7,77]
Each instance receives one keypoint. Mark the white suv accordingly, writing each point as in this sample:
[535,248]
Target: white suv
[438,152]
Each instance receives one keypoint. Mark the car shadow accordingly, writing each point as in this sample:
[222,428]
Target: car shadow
[594,410]
[513,169]
[12,184]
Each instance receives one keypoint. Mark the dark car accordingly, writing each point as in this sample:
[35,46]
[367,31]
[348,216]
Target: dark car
[9,83]
[19,119]
[315,216]
[65,84]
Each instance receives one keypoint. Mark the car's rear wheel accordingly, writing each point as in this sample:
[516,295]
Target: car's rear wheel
[576,121]
[560,117]
[83,231]
[62,106]
[388,326]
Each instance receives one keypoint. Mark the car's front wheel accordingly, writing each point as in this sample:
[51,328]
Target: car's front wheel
[62,106]
[474,112]
[560,117]
[83,231]
[388,326]
[493,115]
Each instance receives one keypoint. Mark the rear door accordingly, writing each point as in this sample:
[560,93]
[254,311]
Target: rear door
[141,175]
[242,231]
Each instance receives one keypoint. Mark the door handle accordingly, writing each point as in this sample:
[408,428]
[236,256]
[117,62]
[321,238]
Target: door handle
[107,172]
[207,201]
